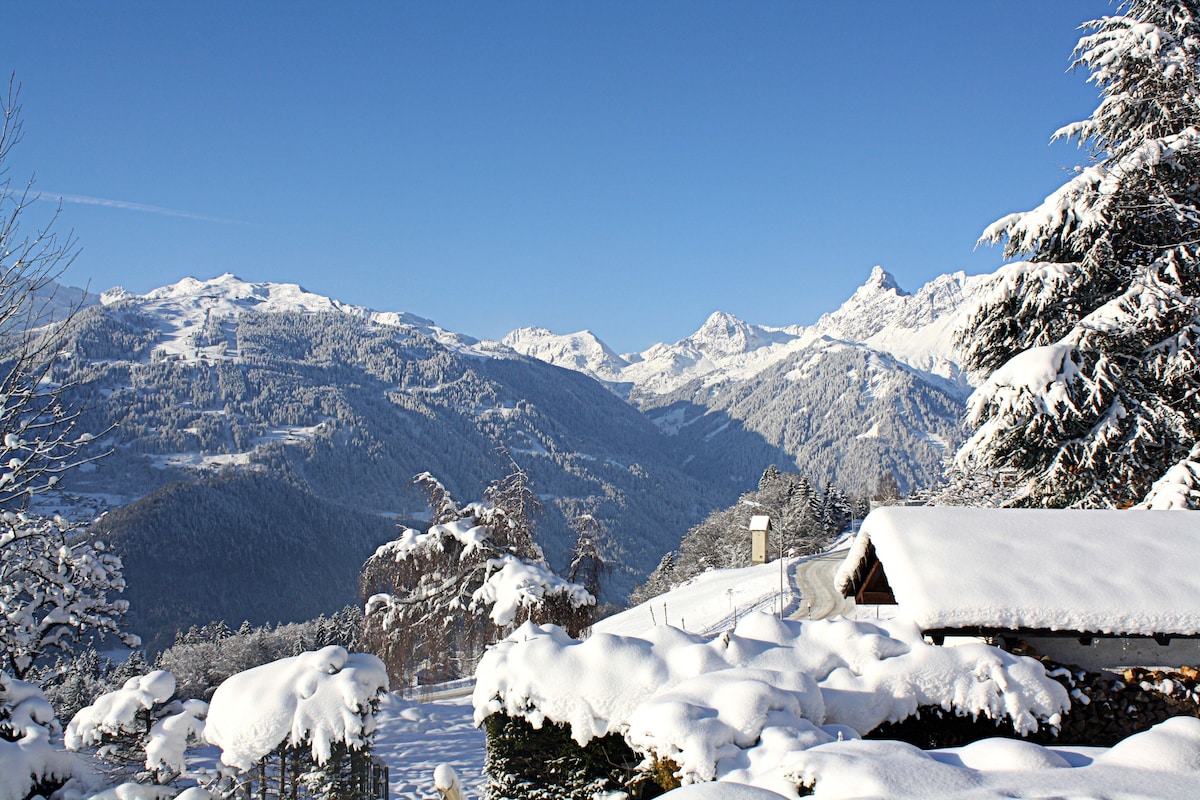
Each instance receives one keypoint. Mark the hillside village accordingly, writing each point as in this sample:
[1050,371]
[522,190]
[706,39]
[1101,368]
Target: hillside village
[259,543]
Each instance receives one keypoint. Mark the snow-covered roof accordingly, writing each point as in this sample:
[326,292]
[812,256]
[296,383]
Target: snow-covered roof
[1112,572]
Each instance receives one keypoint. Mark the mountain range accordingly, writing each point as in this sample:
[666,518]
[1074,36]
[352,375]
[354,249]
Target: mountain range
[915,329]
[262,438]
[871,388]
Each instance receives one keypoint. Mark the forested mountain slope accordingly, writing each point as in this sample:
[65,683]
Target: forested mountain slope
[346,406]
[241,546]
[834,411]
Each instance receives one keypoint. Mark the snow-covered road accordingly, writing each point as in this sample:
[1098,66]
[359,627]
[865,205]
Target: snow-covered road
[813,579]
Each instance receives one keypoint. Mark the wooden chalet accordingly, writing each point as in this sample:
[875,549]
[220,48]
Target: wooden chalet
[1095,588]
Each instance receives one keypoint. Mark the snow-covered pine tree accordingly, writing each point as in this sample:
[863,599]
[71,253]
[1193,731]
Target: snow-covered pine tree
[1092,345]
[75,679]
[835,511]
[660,581]
[771,475]
[434,599]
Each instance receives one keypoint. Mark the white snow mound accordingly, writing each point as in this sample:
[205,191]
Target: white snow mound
[715,706]
[321,697]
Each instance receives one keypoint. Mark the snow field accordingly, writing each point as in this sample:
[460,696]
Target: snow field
[710,602]
[1162,763]
[415,738]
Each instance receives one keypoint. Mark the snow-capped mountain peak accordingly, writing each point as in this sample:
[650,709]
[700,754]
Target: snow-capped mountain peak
[724,334]
[880,280]
[917,329]
[229,293]
[872,306]
[189,305]
[582,351]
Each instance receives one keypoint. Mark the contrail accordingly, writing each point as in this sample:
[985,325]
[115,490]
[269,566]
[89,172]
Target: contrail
[126,205]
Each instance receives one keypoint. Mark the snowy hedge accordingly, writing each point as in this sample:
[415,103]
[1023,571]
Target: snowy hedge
[316,709]
[141,723]
[717,707]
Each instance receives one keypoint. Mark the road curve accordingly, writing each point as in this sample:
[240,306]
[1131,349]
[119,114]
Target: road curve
[813,578]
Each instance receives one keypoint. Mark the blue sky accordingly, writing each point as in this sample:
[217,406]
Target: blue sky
[618,166]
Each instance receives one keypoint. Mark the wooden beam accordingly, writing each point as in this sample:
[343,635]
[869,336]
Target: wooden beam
[875,590]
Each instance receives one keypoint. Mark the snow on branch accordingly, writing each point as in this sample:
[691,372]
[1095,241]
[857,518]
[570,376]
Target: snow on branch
[1083,208]
[55,585]
[1035,381]
[514,583]
[1179,488]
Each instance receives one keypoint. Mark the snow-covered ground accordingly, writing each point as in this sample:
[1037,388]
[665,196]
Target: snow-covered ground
[711,602]
[415,737]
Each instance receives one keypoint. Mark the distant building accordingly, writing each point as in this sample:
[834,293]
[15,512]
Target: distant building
[760,526]
[1100,589]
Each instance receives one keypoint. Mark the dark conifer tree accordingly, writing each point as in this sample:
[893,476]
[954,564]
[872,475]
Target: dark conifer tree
[1091,346]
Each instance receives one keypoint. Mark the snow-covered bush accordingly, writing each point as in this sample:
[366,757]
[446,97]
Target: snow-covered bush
[304,722]
[713,707]
[435,598]
[31,758]
[139,731]
[545,763]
